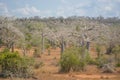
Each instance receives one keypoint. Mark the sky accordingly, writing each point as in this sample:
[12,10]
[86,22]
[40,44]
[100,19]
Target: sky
[57,8]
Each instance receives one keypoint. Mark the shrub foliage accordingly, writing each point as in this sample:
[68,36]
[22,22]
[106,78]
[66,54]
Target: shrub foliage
[74,59]
[15,65]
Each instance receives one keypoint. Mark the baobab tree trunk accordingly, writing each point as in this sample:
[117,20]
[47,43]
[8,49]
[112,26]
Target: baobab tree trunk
[9,46]
[62,48]
[88,45]
[62,45]
[53,44]
[12,46]
[109,49]
[42,42]
[1,43]
[82,43]
[24,51]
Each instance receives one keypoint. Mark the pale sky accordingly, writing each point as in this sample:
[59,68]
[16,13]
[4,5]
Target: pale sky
[56,8]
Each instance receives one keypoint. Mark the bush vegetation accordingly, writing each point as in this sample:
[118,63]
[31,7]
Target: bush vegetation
[13,64]
[74,59]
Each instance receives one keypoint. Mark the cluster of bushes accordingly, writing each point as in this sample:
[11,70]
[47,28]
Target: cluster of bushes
[13,64]
[108,62]
[74,59]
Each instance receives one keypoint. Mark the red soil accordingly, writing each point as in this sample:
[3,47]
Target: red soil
[50,70]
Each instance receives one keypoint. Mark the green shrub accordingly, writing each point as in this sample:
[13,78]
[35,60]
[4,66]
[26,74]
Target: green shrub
[74,59]
[118,65]
[13,63]
[69,61]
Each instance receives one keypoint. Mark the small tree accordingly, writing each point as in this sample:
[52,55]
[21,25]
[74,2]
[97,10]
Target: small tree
[10,35]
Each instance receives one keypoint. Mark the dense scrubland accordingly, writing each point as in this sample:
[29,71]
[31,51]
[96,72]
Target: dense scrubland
[72,48]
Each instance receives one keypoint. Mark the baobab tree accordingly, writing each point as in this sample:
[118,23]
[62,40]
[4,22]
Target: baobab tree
[91,32]
[113,39]
[10,35]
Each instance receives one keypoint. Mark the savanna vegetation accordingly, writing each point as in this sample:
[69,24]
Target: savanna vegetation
[24,41]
